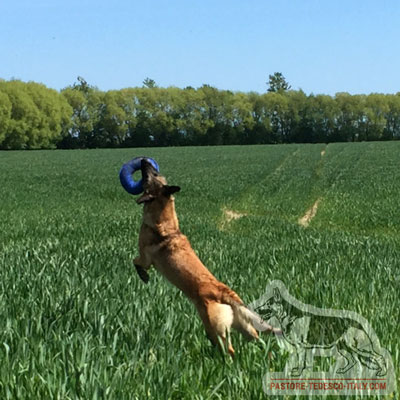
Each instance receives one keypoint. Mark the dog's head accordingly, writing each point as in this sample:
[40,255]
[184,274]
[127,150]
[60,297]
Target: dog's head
[272,307]
[156,190]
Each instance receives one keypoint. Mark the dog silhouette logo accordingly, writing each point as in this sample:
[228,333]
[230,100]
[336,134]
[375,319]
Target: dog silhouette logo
[359,364]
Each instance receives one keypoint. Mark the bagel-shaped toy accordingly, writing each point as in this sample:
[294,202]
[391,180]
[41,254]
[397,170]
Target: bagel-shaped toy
[127,170]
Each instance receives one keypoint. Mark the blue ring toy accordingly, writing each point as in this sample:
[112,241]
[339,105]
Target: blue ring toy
[127,170]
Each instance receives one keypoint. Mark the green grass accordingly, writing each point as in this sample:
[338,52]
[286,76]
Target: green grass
[75,320]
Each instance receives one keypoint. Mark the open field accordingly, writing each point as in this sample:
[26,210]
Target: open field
[75,320]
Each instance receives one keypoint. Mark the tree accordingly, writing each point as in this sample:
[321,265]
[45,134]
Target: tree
[277,83]
[218,111]
[324,114]
[376,108]
[392,128]
[149,83]
[81,116]
[277,106]
[83,86]
[5,115]
[193,122]
[350,118]
[261,132]
[39,116]
[116,118]
[87,106]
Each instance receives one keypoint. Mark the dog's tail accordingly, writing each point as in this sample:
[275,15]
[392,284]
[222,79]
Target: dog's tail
[245,321]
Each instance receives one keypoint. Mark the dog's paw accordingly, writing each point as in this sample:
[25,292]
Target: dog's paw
[343,370]
[297,371]
[143,275]
[381,372]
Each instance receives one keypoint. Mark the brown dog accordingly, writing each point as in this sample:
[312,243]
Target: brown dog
[163,245]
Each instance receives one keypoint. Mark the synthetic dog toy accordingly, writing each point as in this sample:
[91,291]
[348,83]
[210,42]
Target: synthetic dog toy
[127,170]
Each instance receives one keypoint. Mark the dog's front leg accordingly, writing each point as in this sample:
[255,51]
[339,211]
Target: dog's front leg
[142,265]
[301,360]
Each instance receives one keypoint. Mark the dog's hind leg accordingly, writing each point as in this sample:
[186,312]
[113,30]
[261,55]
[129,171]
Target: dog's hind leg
[217,319]
[347,353]
[243,322]
[211,335]
[370,359]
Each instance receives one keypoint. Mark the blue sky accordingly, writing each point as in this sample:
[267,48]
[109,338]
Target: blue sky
[324,46]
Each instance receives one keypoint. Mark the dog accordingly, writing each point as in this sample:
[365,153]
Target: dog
[162,245]
[324,335]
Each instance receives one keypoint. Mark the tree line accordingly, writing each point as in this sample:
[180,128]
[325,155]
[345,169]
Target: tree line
[33,116]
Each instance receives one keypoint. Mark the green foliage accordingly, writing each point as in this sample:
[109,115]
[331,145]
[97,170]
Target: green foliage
[277,83]
[5,115]
[31,116]
[82,116]
[88,105]
[77,323]
[149,83]
[392,117]
[118,117]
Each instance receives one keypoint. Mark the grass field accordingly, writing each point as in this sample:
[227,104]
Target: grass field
[75,320]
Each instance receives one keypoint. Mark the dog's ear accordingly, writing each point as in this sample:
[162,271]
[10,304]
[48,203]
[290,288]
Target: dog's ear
[145,198]
[277,294]
[168,190]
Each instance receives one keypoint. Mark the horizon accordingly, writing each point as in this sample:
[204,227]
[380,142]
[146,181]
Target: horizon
[199,87]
